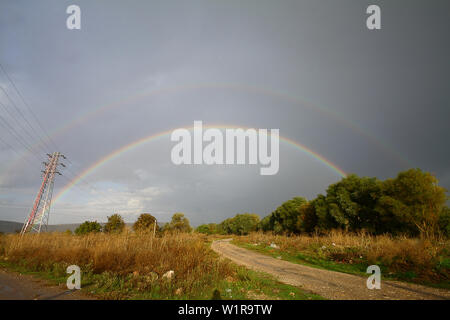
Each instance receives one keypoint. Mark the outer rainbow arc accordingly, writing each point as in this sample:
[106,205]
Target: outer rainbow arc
[244,87]
[155,136]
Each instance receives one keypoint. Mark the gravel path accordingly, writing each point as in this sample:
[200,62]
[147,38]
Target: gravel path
[15,286]
[328,284]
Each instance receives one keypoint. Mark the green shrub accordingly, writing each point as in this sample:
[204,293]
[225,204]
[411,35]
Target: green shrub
[87,227]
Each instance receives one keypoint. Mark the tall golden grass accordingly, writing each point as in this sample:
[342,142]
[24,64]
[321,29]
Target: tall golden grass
[428,259]
[124,254]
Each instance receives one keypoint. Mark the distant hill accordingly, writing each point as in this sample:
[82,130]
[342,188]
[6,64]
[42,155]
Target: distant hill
[63,227]
[12,227]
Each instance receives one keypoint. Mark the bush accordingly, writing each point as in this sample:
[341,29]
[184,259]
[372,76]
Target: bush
[284,218]
[240,224]
[115,224]
[210,228]
[87,227]
[179,223]
[444,221]
[146,223]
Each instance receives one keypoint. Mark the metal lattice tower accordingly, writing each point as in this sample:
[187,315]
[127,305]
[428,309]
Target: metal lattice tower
[40,211]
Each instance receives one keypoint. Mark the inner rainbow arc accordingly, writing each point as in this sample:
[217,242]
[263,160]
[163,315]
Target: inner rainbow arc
[128,147]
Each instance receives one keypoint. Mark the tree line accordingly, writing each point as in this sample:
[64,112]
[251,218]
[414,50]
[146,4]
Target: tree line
[410,204]
[146,223]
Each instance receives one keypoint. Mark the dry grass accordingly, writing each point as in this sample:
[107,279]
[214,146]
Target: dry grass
[427,260]
[128,255]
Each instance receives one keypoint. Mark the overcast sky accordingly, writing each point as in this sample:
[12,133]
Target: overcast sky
[371,102]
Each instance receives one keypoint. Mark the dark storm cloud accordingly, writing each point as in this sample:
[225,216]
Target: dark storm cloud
[381,97]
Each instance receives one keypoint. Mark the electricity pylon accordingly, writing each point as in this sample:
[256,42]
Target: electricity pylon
[41,208]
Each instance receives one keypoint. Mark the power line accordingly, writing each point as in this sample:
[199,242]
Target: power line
[15,119]
[24,141]
[28,107]
[24,118]
[16,135]
[13,149]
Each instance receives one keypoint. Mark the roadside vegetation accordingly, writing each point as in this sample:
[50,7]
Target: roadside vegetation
[409,259]
[132,265]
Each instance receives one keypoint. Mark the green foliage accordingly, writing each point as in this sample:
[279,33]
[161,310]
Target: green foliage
[240,224]
[307,219]
[115,224]
[87,227]
[351,203]
[444,221]
[210,228]
[179,223]
[264,224]
[412,203]
[284,218]
[146,223]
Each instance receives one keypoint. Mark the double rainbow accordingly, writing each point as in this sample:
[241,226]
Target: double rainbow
[61,131]
[153,137]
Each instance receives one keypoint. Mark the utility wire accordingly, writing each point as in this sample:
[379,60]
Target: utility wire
[13,149]
[29,109]
[23,141]
[16,135]
[24,118]
[15,119]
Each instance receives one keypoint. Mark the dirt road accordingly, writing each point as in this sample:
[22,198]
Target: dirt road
[328,284]
[15,286]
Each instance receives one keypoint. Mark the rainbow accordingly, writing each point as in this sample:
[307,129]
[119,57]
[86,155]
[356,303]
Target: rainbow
[61,131]
[128,147]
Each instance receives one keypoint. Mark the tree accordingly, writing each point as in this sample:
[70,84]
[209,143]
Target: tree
[115,224]
[210,228]
[179,223]
[307,218]
[264,224]
[444,221]
[245,223]
[413,202]
[284,218]
[146,223]
[88,227]
[351,203]
[240,224]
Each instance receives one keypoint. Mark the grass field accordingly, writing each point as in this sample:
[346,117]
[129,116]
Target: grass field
[414,260]
[130,266]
